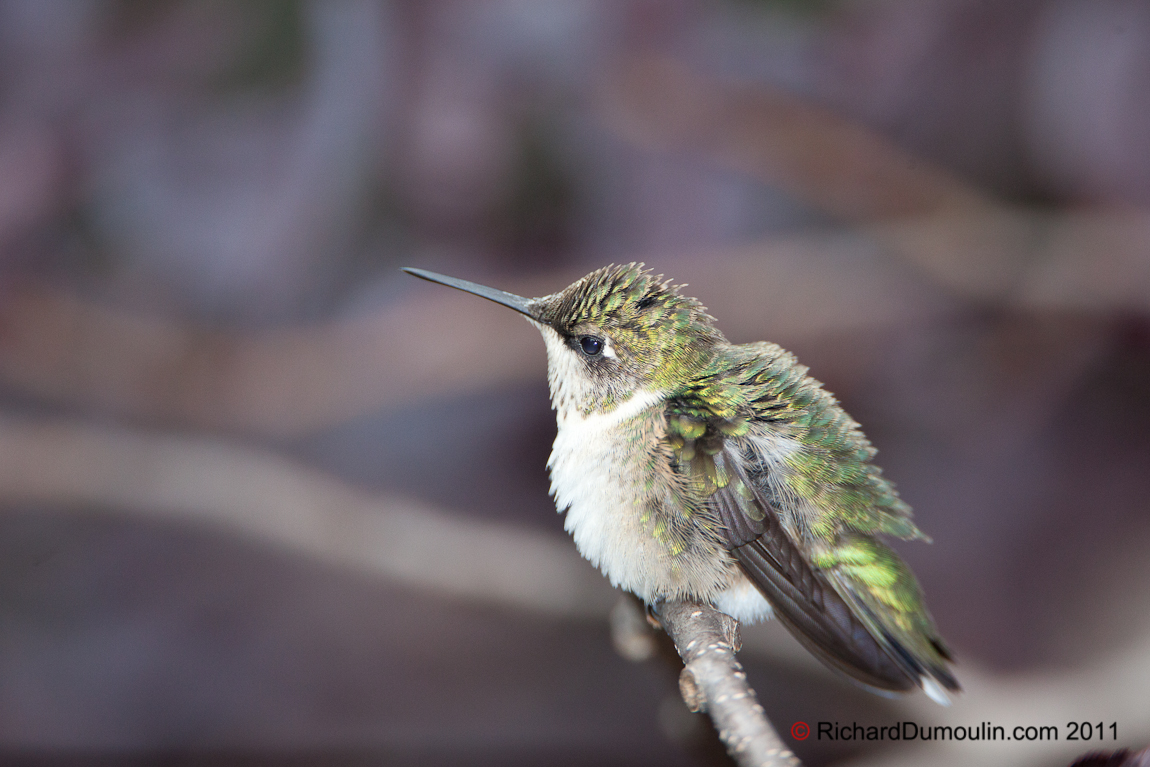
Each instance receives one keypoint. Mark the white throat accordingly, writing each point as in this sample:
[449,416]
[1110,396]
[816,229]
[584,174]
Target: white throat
[567,379]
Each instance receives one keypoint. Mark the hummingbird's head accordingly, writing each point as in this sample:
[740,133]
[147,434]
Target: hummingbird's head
[617,332]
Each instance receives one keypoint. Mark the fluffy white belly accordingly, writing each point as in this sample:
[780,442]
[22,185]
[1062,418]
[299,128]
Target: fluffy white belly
[743,602]
[598,476]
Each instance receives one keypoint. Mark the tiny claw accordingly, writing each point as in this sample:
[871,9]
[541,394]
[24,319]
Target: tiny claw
[731,633]
[653,615]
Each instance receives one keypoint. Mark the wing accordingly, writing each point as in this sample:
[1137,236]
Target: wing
[821,606]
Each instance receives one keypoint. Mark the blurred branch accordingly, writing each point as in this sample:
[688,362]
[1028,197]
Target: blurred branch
[271,499]
[713,681]
[297,380]
[831,163]
[279,502]
[964,239]
[280,382]
[1093,261]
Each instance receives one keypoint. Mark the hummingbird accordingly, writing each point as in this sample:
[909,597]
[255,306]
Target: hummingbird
[689,467]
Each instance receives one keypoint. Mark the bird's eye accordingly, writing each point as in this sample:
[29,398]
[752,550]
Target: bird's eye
[591,345]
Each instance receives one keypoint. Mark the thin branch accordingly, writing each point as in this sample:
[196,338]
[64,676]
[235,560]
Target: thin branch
[713,681]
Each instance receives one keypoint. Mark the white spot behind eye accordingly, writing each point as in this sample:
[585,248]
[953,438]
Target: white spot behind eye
[608,350]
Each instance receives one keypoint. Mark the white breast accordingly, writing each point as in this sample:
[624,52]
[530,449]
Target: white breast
[603,479]
[604,507]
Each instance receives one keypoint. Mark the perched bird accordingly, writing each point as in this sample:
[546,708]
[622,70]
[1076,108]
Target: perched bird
[690,467]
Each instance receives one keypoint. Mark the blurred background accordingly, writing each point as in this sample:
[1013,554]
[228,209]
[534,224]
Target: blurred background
[265,500]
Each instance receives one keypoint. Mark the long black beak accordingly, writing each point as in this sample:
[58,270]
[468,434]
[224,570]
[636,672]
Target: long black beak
[510,300]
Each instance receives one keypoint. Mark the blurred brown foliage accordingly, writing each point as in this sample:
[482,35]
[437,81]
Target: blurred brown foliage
[263,497]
